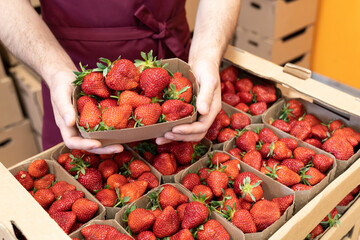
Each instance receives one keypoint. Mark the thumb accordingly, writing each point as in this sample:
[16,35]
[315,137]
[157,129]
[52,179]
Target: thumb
[61,100]
[205,97]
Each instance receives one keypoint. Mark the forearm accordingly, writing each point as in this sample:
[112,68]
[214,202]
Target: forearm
[26,35]
[215,24]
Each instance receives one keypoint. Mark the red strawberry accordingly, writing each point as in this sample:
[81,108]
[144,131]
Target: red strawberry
[228,88]
[346,200]
[253,158]
[80,103]
[239,121]
[263,94]
[183,234]
[117,117]
[190,180]
[293,164]
[60,187]
[242,107]
[94,84]
[229,198]
[65,220]
[25,179]
[264,213]
[116,181]
[181,209]
[251,191]
[319,131]
[267,136]
[231,168]
[203,190]
[283,202]
[84,209]
[66,201]
[90,116]
[176,109]
[38,168]
[279,150]
[213,230]
[150,178]
[339,147]
[316,232]
[217,181]
[154,80]
[171,196]
[91,179]
[137,167]
[243,220]
[245,204]
[93,160]
[304,154]
[146,235]
[355,191]
[221,120]
[180,88]
[292,109]
[219,157]
[235,152]
[332,214]
[265,150]
[322,162]
[107,168]
[226,134]
[258,108]
[44,182]
[301,130]
[231,99]
[106,197]
[133,99]
[290,143]
[244,85]
[107,103]
[165,163]
[336,124]
[312,176]
[300,187]
[123,75]
[229,74]
[62,158]
[284,175]
[183,152]
[140,220]
[282,125]
[312,119]
[96,231]
[194,215]
[45,197]
[167,223]
[133,190]
[123,157]
[247,141]
[245,97]
[314,142]
[203,173]
[240,179]
[148,114]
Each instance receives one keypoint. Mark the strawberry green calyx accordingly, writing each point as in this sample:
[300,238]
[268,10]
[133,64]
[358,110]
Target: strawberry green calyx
[199,151]
[172,93]
[272,171]
[271,147]
[105,68]
[220,204]
[128,211]
[120,202]
[80,165]
[200,198]
[154,199]
[79,76]
[229,212]
[148,62]
[240,132]
[332,221]
[304,177]
[246,188]
[144,147]
[286,112]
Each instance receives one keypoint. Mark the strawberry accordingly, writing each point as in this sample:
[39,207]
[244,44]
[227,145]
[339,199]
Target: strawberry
[60,187]
[226,134]
[301,130]
[44,182]
[92,160]
[221,120]
[176,109]
[247,141]
[106,197]
[80,103]
[316,232]
[265,87]
[244,85]
[25,179]
[171,196]
[312,119]
[91,179]
[231,168]
[107,103]
[229,74]
[219,157]
[116,181]
[183,152]
[65,220]
[154,80]
[133,190]
[123,75]
[336,124]
[90,116]
[267,136]
[258,108]
[231,99]
[217,181]
[312,176]
[271,162]
[146,235]
[332,214]
[251,191]
[62,158]
[228,88]
[123,157]
[203,190]
[282,125]
[304,154]
[322,162]
[179,88]
[245,204]
[240,179]
[239,121]
[242,107]
[314,142]
[300,187]
[265,150]
[290,143]
[265,97]
[279,150]
[136,168]
[190,180]
[245,97]
[96,231]
[84,209]
[117,117]
[165,163]
[44,197]
[167,223]
[253,158]
[203,173]
[319,131]
[356,190]
[140,220]
[346,200]
[38,168]
[235,152]
[66,201]
[264,213]
[339,147]
[150,178]
[194,215]
[107,168]
[180,211]
[229,199]
[283,175]
[213,230]
[292,109]
[283,202]
[183,234]
[92,83]
[148,114]
[293,164]
[243,220]
[133,99]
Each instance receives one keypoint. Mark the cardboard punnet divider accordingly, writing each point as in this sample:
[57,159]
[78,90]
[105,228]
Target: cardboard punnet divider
[110,211]
[302,197]
[271,189]
[324,115]
[145,132]
[144,202]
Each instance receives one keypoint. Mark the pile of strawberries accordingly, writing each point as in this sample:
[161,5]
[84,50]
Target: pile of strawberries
[172,215]
[66,205]
[333,137]
[244,94]
[224,127]
[281,158]
[126,94]
[115,179]
[172,157]
[102,231]
[237,196]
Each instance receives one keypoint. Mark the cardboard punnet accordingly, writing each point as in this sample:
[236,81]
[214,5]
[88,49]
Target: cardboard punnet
[271,189]
[302,197]
[145,132]
[17,143]
[110,211]
[144,202]
[29,87]
[276,18]
[280,50]
[10,105]
[324,115]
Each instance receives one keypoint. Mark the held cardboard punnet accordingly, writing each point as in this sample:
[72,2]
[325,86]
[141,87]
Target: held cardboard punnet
[110,222]
[145,132]
[144,202]
[302,197]
[276,18]
[271,189]
[110,211]
[324,115]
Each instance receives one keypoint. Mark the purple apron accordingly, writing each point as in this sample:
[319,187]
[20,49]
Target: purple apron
[89,29]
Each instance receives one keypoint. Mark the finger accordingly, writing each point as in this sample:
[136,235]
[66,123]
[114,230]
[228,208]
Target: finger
[111,149]
[194,128]
[162,140]
[205,97]
[186,138]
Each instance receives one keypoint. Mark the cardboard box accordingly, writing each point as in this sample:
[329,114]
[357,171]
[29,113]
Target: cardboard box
[17,143]
[191,8]
[9,59]
[29,87]
[2,69]
[10,108]
[38,140]
[279,50]
[145,132]
[276,18]
[303,60]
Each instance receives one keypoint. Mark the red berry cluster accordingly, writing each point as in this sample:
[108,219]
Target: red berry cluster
[244,94]
[66,205]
